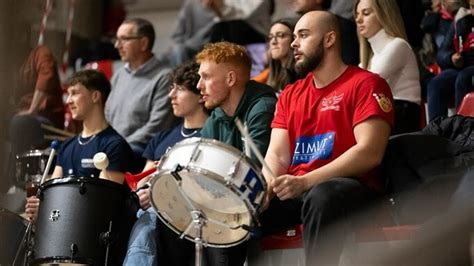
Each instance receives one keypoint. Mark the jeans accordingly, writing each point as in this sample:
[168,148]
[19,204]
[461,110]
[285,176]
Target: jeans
[443,86]
[141,248]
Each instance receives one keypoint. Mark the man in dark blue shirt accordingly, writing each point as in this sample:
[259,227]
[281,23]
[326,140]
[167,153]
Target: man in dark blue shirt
[87,93]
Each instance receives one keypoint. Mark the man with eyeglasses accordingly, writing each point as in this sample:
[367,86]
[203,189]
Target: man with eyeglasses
[138,105]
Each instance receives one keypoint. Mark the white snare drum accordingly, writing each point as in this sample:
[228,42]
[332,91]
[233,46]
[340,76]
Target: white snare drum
[218,180]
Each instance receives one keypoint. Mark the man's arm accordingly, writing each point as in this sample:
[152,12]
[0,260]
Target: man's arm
[115,176]
[371,136]
[278,156]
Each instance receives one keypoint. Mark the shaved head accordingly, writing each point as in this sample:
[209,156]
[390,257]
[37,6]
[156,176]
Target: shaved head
[321,21]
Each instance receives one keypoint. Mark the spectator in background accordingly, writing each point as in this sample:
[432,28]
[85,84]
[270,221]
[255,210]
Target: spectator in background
[240,21]
[281,70]
[193,27]
[342,10]
[435,25]
[138,105]
[384,50]
[38,100]
[456,58]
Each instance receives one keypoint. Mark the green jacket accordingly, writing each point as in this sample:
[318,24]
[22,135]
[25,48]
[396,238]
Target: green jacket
[255,110]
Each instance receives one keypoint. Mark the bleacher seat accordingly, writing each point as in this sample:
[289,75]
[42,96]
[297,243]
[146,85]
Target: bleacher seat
[467,105]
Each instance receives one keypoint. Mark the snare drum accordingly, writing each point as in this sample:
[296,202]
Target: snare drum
[77,217]
[216,179]
[30,166]
[12,232]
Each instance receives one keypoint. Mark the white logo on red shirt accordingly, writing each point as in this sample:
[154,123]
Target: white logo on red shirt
[331,102]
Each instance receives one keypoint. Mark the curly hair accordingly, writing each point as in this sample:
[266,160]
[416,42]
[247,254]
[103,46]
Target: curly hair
[225,52]
[187,75]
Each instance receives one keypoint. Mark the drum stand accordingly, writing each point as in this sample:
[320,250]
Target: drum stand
[26,244]
[198,222]
[199,219]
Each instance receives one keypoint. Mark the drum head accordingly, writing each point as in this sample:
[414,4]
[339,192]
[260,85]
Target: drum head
[224,211]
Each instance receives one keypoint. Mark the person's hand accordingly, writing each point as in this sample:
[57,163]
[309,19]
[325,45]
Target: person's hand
[289,186]
[143,181]
[144,197]
[457,60]
[31,208]
[269,194]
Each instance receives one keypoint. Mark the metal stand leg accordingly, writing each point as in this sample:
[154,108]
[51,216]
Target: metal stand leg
[198,221]
[25,243]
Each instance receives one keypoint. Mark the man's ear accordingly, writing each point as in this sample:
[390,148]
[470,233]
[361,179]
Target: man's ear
[231,78]
[330,39]
[96,96]
[144,43]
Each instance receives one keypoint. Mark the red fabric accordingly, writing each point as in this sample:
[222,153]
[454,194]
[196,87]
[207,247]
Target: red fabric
[320,121]
[39,73]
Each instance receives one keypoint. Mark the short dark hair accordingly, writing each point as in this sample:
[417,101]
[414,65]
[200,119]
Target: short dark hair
[187,74]
[92,80]
[143,28]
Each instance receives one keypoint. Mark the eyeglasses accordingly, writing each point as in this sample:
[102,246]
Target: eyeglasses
[279,36]
[122,39]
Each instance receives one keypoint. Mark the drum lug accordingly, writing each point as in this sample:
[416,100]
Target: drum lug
[195,154]
[82,188]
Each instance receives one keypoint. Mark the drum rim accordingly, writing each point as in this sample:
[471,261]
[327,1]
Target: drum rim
[221,144]
[33,153]
[82,179]
[15,215]
[209,244]
[62,259]
[176,230]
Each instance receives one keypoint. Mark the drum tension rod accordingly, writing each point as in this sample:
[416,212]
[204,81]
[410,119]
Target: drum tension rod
[177,168]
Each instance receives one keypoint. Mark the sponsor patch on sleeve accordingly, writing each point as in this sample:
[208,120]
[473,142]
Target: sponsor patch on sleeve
[383,101]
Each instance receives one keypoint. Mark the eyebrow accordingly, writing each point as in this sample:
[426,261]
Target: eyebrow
[302,30]
[364,9]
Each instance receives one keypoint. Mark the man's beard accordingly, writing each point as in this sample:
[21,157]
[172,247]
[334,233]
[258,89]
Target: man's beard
[310,62]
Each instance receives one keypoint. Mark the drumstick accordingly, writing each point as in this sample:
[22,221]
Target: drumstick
[57,130]
[54,147]
[53,137]
[253,147]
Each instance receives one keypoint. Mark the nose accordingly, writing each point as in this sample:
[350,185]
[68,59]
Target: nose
[273,40]
[358,19]
[172,93]
[294,43]
[69,99]
[200,85]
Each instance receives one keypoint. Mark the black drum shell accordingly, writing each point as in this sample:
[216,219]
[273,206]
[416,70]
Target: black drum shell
[12,231]
[86,206]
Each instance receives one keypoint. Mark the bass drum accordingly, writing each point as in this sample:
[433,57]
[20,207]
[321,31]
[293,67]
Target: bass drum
[12,232]
[78,217]
[215,179]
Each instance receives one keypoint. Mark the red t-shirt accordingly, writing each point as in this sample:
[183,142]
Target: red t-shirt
[320,121]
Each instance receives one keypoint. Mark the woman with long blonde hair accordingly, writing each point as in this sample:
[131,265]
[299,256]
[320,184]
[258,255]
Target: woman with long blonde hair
[384,50]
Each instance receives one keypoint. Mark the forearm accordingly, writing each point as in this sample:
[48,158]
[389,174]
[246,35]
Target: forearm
[38,97]
[354,162]
[115,176]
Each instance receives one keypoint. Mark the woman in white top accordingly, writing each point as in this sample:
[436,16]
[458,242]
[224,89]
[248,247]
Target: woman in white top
[384,50]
